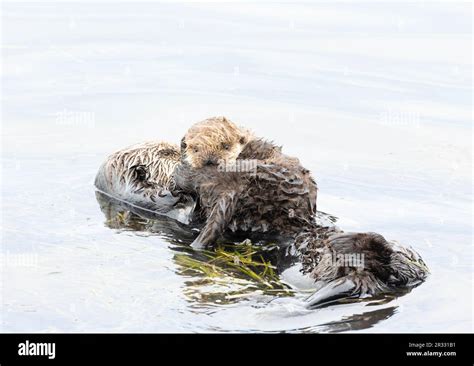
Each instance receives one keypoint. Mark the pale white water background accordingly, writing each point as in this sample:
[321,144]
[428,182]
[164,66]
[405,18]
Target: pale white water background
[374,99]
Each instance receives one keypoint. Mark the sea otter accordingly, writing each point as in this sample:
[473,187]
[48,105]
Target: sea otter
[223,165]
[276,195]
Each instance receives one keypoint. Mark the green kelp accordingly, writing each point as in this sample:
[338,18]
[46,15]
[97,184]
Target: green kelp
[231,272]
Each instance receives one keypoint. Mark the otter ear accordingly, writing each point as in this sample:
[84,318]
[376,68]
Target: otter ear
[183,144]
[243,139]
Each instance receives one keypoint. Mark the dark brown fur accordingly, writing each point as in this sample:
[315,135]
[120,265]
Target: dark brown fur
[279,196]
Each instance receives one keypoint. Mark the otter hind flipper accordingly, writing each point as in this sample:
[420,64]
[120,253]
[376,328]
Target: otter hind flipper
[331,293]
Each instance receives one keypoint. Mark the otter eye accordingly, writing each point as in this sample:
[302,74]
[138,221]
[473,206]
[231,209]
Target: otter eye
[225,146]
[141,172]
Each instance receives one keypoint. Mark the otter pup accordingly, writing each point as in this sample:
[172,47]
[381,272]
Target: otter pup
[277,195]
[142,175]
[233,198]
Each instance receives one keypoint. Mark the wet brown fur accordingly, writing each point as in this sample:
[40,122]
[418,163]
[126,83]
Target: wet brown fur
[211,141]
[279,196]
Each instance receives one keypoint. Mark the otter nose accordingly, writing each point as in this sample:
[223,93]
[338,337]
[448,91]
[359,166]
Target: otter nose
[211,161]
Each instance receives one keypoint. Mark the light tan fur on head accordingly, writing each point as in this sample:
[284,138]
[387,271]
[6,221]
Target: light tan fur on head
[211,141]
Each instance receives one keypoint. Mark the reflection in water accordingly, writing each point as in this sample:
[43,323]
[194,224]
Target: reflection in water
[234,271]
[358,321]
[121,215]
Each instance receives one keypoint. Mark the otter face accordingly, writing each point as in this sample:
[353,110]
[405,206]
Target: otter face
[211,142]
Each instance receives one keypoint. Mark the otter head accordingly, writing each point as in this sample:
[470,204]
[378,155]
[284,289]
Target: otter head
[211,142]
